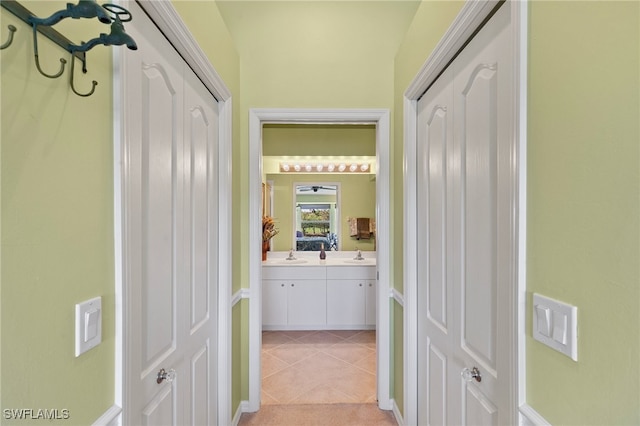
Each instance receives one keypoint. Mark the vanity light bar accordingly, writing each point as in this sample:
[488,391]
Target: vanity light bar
[324,167]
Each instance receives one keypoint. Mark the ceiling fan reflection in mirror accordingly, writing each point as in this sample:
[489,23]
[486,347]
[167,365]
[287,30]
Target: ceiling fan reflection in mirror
[315,188]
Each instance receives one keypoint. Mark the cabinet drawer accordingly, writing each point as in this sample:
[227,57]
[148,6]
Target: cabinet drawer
[291,272]
[351,272]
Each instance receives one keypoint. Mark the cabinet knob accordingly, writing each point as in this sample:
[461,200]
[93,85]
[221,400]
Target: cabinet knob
[281,285]
[292,285]
[360,284]
[370,285]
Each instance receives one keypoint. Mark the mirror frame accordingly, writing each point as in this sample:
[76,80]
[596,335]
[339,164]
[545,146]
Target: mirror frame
[338,209]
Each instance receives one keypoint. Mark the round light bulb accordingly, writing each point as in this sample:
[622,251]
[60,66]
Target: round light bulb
[319,167]
[353,167]
[331,167]
[364,167]
[285,167]
[342,167]
[296,167]
[308,167]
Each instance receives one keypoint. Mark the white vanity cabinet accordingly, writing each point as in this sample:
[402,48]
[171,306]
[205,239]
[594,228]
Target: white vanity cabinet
[351,296]
[318,297]
[274,303]
[294,298]
[307,303]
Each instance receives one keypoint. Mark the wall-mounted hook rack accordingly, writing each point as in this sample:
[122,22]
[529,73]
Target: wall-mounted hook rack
[12,30]
[107,14]
[25,15]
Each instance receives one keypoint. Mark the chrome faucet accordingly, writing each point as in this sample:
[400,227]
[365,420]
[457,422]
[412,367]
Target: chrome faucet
[291,256]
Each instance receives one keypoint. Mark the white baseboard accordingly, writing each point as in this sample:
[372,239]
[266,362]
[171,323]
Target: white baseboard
[111,417]
[396,412]
[242,408]
[530,417]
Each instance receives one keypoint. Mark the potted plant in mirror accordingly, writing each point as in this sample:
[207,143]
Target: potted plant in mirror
[269,230]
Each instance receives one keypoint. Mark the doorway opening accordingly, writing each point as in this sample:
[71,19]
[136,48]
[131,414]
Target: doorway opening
[378,118]
[320,334]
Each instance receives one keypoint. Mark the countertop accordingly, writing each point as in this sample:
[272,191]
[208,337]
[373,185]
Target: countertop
[313,259]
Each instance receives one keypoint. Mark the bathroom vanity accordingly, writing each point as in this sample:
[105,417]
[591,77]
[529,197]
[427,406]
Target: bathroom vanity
[310,294]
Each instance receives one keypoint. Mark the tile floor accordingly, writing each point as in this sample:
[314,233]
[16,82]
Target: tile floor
[318,367]
[319,415]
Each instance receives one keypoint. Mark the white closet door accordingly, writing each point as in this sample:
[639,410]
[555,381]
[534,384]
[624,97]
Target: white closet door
[170,230]
[435,311]
[201,220]
[467,235]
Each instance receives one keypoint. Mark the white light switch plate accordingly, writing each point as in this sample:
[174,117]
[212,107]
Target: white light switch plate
[88,325]
[555,324]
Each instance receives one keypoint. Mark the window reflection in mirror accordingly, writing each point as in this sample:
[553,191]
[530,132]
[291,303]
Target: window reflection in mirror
[316,215]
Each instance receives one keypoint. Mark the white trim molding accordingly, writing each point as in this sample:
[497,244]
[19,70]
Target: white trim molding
[169,22]
[111,417]
[530,417]
[472,15]
[243,293]
[379,117]
[242,408]
[396,413]
[397,296]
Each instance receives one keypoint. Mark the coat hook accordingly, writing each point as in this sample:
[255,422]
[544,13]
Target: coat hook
[35,54]
[12,30]
[94,83]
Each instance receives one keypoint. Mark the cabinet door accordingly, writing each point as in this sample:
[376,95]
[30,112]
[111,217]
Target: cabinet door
[370,303]
[274,303]
[346,302]
[307,303]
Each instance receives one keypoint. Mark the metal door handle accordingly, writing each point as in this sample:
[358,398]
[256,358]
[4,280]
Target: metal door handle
[469,375]
[166,375]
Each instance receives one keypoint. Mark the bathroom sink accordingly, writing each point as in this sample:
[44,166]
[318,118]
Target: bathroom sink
[360,261]
[290,262]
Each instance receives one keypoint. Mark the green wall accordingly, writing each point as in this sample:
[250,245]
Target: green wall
[357,199]
[56,194]
[583,206]
[57,225]
[318,139]
[583,196]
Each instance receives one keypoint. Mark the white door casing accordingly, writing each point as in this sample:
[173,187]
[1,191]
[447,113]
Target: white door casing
[441,258]
[178,150]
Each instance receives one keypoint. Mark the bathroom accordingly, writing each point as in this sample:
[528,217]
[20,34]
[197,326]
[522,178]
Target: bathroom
[318,315]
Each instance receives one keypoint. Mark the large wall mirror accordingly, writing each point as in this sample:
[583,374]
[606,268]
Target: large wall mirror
[302,213]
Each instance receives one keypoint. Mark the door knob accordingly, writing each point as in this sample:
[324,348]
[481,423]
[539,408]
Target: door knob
[470,374]
[166,375]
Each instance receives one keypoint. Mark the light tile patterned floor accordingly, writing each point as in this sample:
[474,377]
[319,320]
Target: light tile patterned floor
[319,415]
[318,367]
